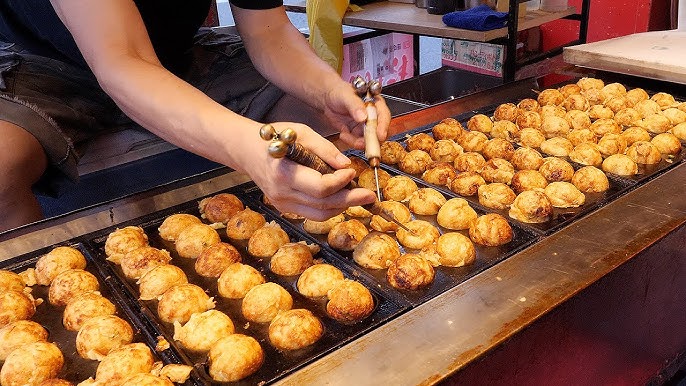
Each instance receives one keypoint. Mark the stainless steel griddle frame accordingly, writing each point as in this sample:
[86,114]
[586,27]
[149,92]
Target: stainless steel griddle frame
[436,339]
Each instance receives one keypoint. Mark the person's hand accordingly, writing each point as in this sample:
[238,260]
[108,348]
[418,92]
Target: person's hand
[346,112]
[298,189]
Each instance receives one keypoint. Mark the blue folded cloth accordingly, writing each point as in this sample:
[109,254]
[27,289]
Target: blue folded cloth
[480,18]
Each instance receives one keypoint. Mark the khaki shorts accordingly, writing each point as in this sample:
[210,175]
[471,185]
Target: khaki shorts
[64,107]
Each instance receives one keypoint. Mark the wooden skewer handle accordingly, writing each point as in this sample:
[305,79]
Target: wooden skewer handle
[372,148]
[298,153]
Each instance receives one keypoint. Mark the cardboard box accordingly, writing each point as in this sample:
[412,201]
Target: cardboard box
[388,58]
[482,58]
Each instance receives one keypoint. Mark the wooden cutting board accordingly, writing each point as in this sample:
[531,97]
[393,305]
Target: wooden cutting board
[656,55]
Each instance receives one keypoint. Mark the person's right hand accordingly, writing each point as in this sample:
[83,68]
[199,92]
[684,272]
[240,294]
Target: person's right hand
[298,189]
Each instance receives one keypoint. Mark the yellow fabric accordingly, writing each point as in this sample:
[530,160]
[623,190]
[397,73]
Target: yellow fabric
[325,21]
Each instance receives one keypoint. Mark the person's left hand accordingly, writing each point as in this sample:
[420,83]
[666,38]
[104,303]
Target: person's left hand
[347,113]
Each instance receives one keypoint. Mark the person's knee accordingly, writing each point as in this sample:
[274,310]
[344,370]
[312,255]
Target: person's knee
[22,159]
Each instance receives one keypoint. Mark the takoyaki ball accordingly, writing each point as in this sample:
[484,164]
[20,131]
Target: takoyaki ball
[214,259]
[664,100]
[667,143]
[617,103]
[264,301]
[498,148]
[323,227]
[84,307]
[391,152]
[556,169]
[473,141]
[555,127]
[243,224]
[358,212]
[531,207]
[467,183]
[557,147]
[570,89]
[498,170]
[627,116]
[636,95]
[528,104]
[57,382]
[399,188]
[139,261]
[620,164]
[295,329]
[564,195]
[415,162]
[656,123]
[611,144]
[439,173]
[202,330]
[100,334]
[426,201]
[367,179]
[681,106]
[317,280]
[635,134]
[237,279]
[349,302]
[531,137]
[552,111]
[234,357]
[456,214]
[429,254]
[32,364]
[56,261]
[445,150]
[506,130]
[491,230]
[679,130]
[675,115]
[480,122]
[496,195]
[469,162]
[528,180]
[346,235]
[145,379]
[175,223]
[576,102]
[590,83]
[220,207]
[181,301]
[578,119]
[123,240]
[590,179]
[586,154]
[647,108]
[376,251]
[526,158]
[604,126]
[158,280]
[505,112]
[448,128]
[293,258]
[124,362]
[600,112]
[644,153]
[410,272]
[612,90]
[11,281]
[529,119]
[421,141]
[579,136]
[194,239]
[424,234]
[399,212]
[550,96]
[455,250]
[20,333]
[358,165]
[593,96]
[267,240]
[70,283]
